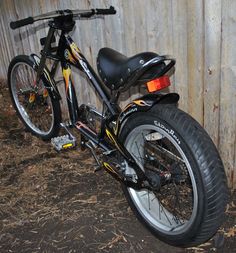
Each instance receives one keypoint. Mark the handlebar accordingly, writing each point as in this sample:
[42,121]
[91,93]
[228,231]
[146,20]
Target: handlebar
[55,14]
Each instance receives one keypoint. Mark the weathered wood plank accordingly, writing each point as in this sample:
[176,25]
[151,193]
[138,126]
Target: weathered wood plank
[179,27]
[195,58]
[212,67]
[227,133]
[3,52]
[233,184]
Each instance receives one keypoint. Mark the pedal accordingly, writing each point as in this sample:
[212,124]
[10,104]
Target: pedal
[63,142]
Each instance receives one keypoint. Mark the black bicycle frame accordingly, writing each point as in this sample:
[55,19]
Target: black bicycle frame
[69,54]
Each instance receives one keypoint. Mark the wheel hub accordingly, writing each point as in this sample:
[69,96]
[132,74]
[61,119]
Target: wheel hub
[153,180]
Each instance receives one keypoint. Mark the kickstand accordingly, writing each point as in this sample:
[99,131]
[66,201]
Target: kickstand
[89,145]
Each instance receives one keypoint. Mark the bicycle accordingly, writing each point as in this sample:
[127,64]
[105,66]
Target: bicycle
[169,168]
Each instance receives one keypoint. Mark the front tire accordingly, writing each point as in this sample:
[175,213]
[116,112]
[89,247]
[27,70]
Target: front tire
[34,104]
[189,207]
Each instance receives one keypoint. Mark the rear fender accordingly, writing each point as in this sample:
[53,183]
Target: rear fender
[144,104]
[48,81]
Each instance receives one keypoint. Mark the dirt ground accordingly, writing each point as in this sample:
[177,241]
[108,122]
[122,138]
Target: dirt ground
[55,202]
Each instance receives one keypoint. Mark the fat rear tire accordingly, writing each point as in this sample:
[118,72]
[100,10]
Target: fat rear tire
[205,165]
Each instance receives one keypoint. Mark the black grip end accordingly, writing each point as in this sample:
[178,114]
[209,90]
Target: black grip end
[22,22]
[110,11]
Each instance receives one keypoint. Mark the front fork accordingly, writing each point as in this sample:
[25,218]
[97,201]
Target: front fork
[44,53]
[70,92]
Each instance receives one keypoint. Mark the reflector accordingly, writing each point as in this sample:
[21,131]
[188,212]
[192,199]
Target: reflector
[158,84]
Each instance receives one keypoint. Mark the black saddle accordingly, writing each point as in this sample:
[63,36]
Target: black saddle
[117,70]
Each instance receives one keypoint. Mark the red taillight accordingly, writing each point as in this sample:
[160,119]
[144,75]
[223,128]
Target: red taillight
[158,84]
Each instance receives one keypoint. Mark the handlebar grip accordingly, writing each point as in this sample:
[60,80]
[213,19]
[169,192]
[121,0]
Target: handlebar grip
[110,11]
[88,14]
[22,22]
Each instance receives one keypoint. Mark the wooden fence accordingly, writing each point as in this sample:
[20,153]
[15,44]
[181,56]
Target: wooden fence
[200,34]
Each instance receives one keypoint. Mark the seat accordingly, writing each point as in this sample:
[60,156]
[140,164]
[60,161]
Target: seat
[115,68]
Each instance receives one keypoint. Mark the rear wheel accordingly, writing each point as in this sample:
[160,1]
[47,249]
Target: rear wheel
[34,104]
[188,207]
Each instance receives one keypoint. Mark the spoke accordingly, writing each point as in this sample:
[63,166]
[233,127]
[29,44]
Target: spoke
[175,218]
[144,194]
[149,207]
[163,210]
[141,158]
[159,211]
[154,198]
[166,152]
[173,228]
[177,214]
[146,159]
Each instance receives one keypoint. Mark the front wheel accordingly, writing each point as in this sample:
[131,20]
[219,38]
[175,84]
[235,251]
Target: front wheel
[188,207]
[33,102]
